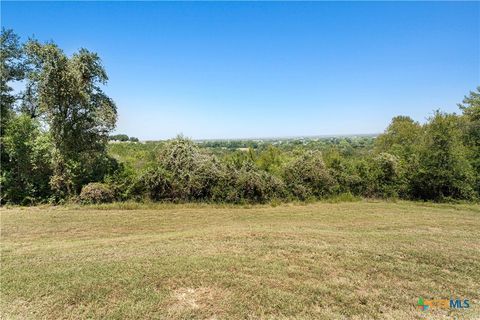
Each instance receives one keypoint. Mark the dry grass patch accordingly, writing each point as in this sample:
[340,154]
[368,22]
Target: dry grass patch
[208,301]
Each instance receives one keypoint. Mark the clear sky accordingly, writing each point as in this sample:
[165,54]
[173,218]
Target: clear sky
[251,69]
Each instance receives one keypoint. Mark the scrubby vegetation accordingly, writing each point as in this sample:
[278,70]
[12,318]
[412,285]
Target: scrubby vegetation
[55,133]
[96,192]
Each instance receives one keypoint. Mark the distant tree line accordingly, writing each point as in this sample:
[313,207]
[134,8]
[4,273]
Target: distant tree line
[55,133]
[122,138]
[348,145]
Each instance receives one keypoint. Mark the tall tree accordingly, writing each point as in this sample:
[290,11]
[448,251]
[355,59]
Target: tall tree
[12,68]
[471,114]
[400,137]
[444,171]
[68,92]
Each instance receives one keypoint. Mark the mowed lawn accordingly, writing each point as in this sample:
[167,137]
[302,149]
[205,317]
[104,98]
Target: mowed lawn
[356,260]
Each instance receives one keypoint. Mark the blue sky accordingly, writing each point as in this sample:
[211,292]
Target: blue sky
[251,69]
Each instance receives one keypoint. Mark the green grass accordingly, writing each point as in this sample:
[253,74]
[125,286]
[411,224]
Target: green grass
[359,260]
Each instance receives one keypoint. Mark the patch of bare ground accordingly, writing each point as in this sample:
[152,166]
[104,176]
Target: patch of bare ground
[208,301]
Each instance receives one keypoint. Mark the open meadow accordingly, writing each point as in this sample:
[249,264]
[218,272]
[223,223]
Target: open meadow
[352,260]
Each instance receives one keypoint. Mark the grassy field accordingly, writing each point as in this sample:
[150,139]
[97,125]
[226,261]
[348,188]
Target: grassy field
[358,260]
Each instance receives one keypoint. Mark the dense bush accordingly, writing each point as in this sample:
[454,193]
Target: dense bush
[254,185]
[156,184]
[26,172]
[444,170]
[387,175]
[226,189]
[185,173]
[307,176]
[96,192]
[192,173]
[124,182]
[344,172]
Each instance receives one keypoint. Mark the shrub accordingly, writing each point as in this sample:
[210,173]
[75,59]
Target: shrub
[124,183]
[156,183]
[247,184]
[206,174]
[96,192]
[365,184]
[193,174]
[379,176]
[343,172]
[255,185]
[226,188]
[387,174]
[180,158]
[306,176]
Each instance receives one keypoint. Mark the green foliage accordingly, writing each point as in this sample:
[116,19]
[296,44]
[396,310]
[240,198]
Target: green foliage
[270,160]
[122,138]
[193,173]
[135,155]
[471,131]
[123,182]
[78,113]
[12,68]
[254,185]
[387,175]
[54,146]
[226,189]
[398,167]
[184,173]
[307,176]
[343,171]
[403,139]
[156,183]
[444,171]
[96,192]
[29,162]
[400,138]
[119,137]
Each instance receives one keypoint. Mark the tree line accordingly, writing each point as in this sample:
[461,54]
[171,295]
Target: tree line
[123,138]
[54,147]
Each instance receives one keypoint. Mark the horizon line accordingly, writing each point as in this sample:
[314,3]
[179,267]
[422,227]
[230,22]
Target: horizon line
[271,137]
